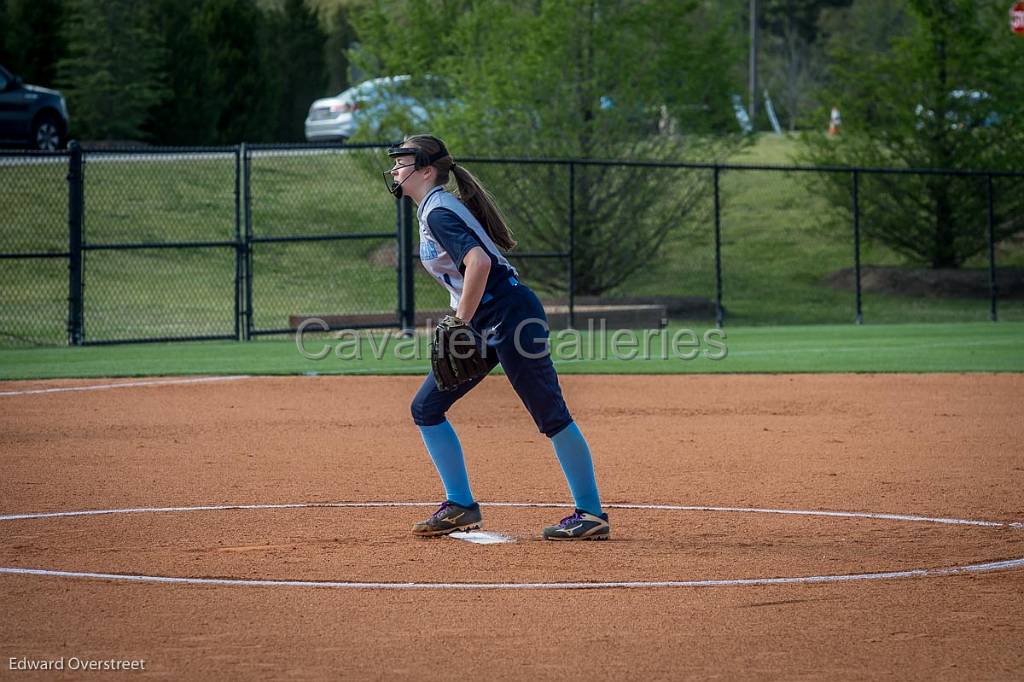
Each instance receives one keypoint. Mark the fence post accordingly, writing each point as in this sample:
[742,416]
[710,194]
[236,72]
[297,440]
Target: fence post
[247,240]
[406,285]
[993,283]
[76,219]
[239,245]
[855,192]
[719,310]
[572,245]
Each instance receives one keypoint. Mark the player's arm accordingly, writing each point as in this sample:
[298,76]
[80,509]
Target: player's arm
[478,266]
[468,255]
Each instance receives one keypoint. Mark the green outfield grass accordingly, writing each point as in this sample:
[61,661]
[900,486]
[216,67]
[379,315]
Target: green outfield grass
[962,347]
[778,249]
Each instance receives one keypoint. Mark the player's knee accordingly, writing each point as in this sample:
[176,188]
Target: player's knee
[554,424]
[424,413]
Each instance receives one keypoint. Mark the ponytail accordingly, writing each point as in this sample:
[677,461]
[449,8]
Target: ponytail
[472,194]
[481,204]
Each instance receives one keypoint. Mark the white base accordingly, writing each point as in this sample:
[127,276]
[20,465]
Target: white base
[481,537]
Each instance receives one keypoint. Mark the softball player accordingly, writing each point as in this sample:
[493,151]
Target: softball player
[459,246]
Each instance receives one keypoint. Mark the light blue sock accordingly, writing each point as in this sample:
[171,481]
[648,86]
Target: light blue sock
[574,456]
[446,452]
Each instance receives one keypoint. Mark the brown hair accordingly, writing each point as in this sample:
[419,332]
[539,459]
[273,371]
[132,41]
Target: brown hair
[477,199]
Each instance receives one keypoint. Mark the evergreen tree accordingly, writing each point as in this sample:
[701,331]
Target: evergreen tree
[864,27]
[111,74]
[340,38]
[300,58]
[30,37]
[189,117]
[244,89]
[5,53]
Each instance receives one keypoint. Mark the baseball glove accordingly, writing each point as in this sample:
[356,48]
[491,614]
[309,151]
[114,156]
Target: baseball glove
[455,355]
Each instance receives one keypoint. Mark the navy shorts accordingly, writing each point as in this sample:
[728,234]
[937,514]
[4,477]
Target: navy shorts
[517,314]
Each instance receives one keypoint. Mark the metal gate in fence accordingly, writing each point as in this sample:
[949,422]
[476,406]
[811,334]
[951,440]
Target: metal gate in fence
[155,246]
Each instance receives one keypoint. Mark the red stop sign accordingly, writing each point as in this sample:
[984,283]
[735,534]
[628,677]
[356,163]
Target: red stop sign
[1017,18]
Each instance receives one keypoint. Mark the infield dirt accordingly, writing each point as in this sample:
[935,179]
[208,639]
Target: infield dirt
[930,445]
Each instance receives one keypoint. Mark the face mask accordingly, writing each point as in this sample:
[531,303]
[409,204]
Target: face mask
[422,160]
[396,153]
[395,187]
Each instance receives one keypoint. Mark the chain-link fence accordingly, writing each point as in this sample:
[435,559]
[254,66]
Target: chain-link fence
[781,256]
[33,248]
[803,245]
[322,234]
[1007,252]
[239,242]
[160,236]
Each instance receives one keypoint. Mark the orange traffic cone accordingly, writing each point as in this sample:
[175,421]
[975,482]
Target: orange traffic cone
[834,122]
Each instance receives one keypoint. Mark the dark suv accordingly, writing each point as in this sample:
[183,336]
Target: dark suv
[31,115]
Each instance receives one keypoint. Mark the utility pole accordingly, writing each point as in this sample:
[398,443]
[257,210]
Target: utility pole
[753,61]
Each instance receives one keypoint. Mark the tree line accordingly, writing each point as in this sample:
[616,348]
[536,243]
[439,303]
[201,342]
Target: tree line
[180,72]
[920,83]
[219,71]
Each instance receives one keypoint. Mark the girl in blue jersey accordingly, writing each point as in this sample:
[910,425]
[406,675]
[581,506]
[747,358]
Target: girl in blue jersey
[461,243]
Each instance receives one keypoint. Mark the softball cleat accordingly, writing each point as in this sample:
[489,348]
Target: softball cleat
[580,526]
[449,518]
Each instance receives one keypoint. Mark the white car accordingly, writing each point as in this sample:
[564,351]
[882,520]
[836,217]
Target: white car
[968,109]
[381,107]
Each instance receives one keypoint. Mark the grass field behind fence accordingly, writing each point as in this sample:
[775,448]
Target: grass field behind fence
[960,347]
[777,250]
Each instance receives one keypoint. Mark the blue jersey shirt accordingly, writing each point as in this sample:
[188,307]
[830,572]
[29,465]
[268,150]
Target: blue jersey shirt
[448,231]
